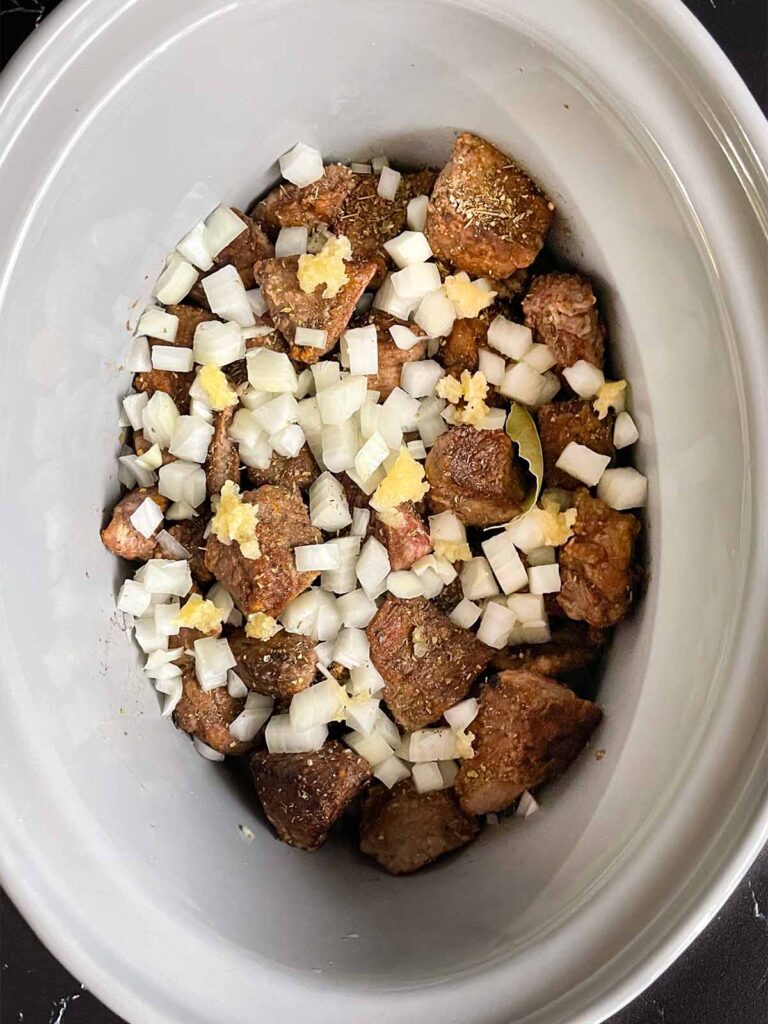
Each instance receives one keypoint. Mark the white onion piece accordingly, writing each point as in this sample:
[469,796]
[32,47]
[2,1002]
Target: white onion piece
[156,323]
[365,679]
[493,420]
[371,455]
[356,609]
[389,182]
[404,408]
[306,384]
[492,366]
[159,419]
[257,710]
[465,614]
[544,579]
[419,378]
[289,441]
[527,533]
[314,614]
[328,507]
[550,388]
[133,599]
[151,459]
[163,576]
[416,281]
[343,579]
[205,751]
[256,456]
[477,580]
[387,300]
[147,636]
[361,168]
[291,242]
[165,615]
[256,301]
[427,777]
[373,748]
[183,482]
[373,565]
[527,607]
[511,339]
[351,648]
[326,373]
[405,584]
[495,625]
[277,413]
[213,659]
[544,555]
[417,450]
[282,738]
[582,463]
[448,528]
[134,406]
[539,357]
[172,357]
[147,517]
[530,633]
[222,227]
[271,371]
[506,563]
[317,705]
[226,296]
[340,443]
[391,770]
[362,350]
[432,583]
[437,744]
[235,686]
[409,248]
[461,714]
[194,248]
[191,438]
[223,600]
[435,314]
[416,212]
[362,715]
[176,280]
[404,337]
[584,378]
[526,806]
[139,359]
[338,402]
[180,510]
[171,546]
[316,557]
[310,337]
[522,384]
[430,428]
[625,432]
[172,690]
[367,484]
[361,518]
[302,165]
[623,488]
[245,427]
[217,344]
[379,162]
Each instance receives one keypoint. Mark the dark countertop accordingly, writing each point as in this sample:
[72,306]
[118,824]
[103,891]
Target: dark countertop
[721,979]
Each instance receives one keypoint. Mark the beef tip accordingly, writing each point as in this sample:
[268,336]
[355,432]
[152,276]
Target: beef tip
[391,358]
[270,582]
[223,462]
[404,534]
[368,220]
[121,537]
[304,794]
[563,422]
[175,384]
[428,664]
[572,648]
[289,206]
[272,341]
[189,532]
[486,216]
[297,473]
[561,310]
[290,307]
[596,565]
[476,474]
[278,667]
[512,287]
[404,830]
[527,731]
[208,715]
[461,349]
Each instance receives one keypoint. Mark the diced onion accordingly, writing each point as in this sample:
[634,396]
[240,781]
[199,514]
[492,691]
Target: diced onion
[356,609]
[328,507]
[625,432]
[511,339]
[131,472]
[361,517]
[367,484]
[271,371]
[310,337]
[217,344]
[277,413]
[495,625]
[373,748]
[430,428]
[362,715]
[461,714]
[223,600]
[338,402]
[391,770]
[134,406]
[289,441]
[526,806]
[419,378]
[133,599]
[313,614]
[194,248]
[159,419]
[191,438]
[477,580]
[417,450]
[163,576]
[317,705]
[465,614]
[623,488]
[156,323]
[416,281]
[366,679]
[522,384]
[245,427]
[257,710]
[302,165]
[151,459]
[326,373]
[544,579]
[550,388]
[139,359]
[340,445]
[388,300]
[176,280]
[180,510]
[506,563]
[362,349]
[165,616]
[373,565]
[404,337]
[530,633]
[235,686]
[222,227]
[282,738]
[584,378]
[361,168]
[409,248]
[582,463]
[438,744]
[416,212]
[405,584]
[527,607]
[205,751]
[291,242]
[544,555]
[343,579]
[371,455]
[379,162]
[427,777]
[256,301]
[147,517]
[435,314]
[147,636]
[316,557]
[448,528]
[226,296]
[404,407]
[172,357]
[183,482]
[213,659]
[351,648]
[494,419]
[492,366]
[539,358]
[389,182]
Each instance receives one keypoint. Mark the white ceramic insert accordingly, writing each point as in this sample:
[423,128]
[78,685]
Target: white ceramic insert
[120,124]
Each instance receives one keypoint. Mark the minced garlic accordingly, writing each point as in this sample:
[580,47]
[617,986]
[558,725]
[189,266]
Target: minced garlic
[556,526]
[392,517]
[611,395]
[452,550]
[216,386]
[404,482]
[199,614]
[260,626]
[464,744]
[450,389]
[235,520]
[326,267]
[468,298]
[471,389]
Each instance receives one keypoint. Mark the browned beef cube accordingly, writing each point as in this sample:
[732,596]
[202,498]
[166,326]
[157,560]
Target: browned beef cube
[223,462]
[304,794]
[527,731]
[486,216]
[175,384]
[208,715]
[476,474]
[290,307]
[391,358]
[404,535]
[596,566]
[273,340]
[289,206]
[368,220]
[189,532]
[428,664]
[121,537]
[561,310]
[278,667]
[563,422]
[573,647]
[298,473]
[404,830]
[461,349]
[270,582]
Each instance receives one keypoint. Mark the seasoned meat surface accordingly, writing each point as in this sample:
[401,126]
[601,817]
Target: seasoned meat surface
[288,206]
[269,583]
[561,310]
[208,715]
[175,384]
[121,537]
[404,830]
[475,474]
[527,731]
[486,216]
[596,566]
[563,422]
[304,794]
[223,462]
[391,358]
[278,667]
[572,648]
[404,535]
[428,664]
[461,349]
[298,473]
[290,307]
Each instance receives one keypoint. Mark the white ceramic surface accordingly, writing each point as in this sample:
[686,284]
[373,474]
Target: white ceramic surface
[118,125]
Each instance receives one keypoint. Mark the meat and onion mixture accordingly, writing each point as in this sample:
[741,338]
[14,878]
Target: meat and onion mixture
[377,484]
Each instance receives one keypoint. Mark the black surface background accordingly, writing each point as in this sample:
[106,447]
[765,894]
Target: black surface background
[721,979]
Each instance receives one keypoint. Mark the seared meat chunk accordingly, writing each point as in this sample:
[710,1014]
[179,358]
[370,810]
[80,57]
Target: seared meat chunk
[404,534]
[368,220]
[461,349]
[573,647]
[486,216]
[121,537]
[189,532]
[270,582]
[404,830]
[298,473]
[175,384]
[208,715]
[563,422]
[223,462]
[428,664]
[561,310]
[596,566]
[304,794]
[527,731]
[288,206]
[391,358]
[278,667]
[290,307]
[476,474]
